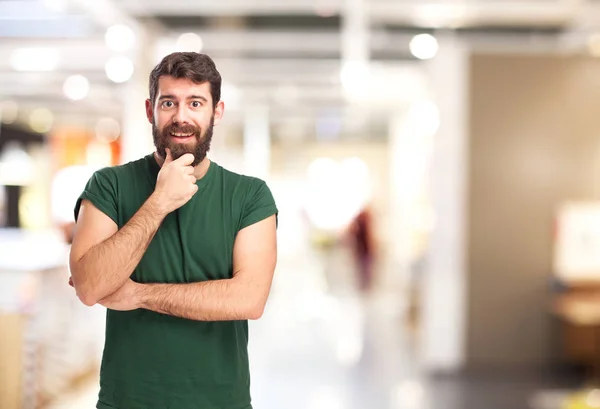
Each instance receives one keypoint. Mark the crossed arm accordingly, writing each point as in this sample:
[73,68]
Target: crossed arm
[96,280]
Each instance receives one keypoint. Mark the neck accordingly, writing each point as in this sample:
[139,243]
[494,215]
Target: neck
[199,170]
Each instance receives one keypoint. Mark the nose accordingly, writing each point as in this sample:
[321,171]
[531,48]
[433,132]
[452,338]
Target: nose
[180,116]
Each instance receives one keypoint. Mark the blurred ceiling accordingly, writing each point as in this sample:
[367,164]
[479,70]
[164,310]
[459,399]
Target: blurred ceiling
[285,53]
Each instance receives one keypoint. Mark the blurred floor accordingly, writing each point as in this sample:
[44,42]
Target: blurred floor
[321,345]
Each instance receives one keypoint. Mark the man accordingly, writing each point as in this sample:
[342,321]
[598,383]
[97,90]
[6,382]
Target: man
[180,251]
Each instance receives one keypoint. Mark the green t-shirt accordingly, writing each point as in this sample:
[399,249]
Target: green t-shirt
[156,361]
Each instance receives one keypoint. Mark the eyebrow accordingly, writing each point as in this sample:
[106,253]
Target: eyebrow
[166,97]
[198,97]
[190,97]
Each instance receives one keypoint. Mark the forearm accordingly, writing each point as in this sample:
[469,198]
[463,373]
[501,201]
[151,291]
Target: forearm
[107,266]
[216,300]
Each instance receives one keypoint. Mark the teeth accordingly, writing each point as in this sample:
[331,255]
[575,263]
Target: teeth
[181,135]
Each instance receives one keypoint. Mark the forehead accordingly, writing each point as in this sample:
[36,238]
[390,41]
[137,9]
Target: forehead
[182,88]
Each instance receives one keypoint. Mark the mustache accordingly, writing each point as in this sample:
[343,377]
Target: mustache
[174,128]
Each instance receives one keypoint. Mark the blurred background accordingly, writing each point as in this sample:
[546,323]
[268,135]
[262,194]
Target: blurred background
[436,165]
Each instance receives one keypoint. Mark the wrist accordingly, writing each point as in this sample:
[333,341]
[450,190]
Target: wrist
[156,207]
[141,295]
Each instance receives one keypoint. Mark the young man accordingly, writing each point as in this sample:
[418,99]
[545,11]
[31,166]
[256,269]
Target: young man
[180,251]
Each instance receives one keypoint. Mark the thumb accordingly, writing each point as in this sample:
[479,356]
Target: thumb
[168,157]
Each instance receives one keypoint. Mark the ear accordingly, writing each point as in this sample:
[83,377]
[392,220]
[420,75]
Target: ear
[219,111]
[149,111]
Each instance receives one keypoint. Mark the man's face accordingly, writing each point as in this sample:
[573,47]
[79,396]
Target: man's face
[183,117]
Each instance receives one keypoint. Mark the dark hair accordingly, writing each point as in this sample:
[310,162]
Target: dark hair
[197,67]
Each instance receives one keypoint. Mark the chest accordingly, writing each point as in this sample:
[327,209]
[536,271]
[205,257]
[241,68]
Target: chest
[194,243]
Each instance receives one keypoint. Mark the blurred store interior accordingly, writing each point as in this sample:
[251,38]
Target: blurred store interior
[458,141]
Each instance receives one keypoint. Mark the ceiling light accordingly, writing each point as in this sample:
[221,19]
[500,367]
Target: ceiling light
[119,38]
[189,42]
[424,46]
[76,87]
[41,120]
[34,59]
[119,69]
[107,130]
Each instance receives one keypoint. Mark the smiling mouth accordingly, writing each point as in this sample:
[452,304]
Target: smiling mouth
[181,135]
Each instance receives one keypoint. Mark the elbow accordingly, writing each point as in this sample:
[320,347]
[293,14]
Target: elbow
[83,288]
[87,299]
[85,293]
[256,312]
[86,296]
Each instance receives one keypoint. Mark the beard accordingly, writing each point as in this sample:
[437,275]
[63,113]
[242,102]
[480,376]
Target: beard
[199,148]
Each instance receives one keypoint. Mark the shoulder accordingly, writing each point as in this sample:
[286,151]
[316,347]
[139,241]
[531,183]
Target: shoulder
[251,196]
[245,190]
[240,181]
[135,166]
[114,173]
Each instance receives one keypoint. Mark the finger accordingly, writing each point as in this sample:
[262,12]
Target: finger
[186,159]
[189,170]
[192,179]
[168,157]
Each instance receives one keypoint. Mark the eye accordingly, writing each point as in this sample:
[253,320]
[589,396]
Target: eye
[196,104]
[167,104]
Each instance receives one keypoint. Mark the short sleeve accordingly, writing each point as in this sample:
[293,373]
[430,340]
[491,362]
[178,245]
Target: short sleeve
[260,204]
[102,192]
